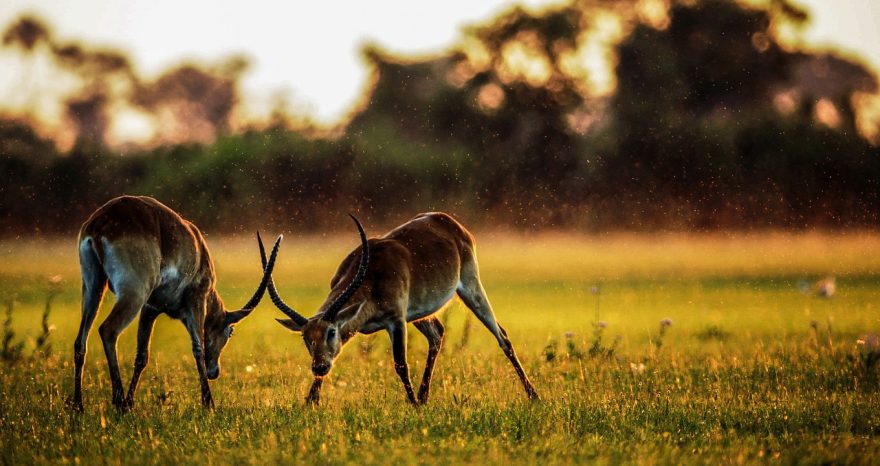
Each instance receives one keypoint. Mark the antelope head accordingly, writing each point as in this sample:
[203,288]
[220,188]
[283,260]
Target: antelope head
[326,332]
[219,326]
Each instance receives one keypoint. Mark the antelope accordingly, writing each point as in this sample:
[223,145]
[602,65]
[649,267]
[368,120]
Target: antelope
[406,275]
[155,262]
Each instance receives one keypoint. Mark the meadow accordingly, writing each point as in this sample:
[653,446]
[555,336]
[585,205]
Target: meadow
[750,366]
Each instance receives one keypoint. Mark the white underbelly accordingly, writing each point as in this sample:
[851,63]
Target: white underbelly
[168,274]
[421,310]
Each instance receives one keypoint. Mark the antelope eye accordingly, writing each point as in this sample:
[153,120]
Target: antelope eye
[331,333]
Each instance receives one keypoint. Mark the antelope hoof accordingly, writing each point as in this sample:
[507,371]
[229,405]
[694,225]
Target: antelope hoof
[127,404]
[74,404]
[208,402]
[119,404]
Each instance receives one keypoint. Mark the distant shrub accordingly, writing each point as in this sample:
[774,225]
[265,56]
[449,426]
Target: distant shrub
[869,353]
[713,332]
[550,350]
[597,347]
[465,333]
[573,351]
[664,325]
[10,352]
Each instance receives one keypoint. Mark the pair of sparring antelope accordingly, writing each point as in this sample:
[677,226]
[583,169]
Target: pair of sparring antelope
[157,262]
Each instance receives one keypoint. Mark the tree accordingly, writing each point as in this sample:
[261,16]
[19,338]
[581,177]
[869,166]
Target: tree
[192,103]
[98,71]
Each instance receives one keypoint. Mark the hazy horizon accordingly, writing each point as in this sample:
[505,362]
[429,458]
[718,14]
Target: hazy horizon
[326,82]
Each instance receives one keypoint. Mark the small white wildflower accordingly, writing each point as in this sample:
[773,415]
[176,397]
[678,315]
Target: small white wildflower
[249,368]
[870,344]
[637,368]
[826,287]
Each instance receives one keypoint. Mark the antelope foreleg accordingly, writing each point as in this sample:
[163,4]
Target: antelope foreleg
[145,332]
[195,327]
[398,347]
[314,396]
[433,331]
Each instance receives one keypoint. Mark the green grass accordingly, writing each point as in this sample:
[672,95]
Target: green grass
[752,370]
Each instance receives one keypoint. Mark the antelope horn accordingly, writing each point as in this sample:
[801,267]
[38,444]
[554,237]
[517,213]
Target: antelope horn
[273,293]
[340,301]
[267,277]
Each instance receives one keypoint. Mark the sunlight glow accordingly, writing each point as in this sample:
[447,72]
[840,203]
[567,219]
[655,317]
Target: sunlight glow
[522,60]
[868,117]
[827,113]
[312,54]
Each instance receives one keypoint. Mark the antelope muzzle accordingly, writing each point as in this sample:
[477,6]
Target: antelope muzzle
[320,370]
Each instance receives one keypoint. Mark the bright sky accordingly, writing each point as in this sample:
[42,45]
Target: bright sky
[310,50]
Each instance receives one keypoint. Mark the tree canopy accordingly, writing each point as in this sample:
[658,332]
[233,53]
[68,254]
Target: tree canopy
[712,124]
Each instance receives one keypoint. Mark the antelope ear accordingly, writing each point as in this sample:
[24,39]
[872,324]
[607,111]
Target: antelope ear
[349,312]
[290,324]
[234,317]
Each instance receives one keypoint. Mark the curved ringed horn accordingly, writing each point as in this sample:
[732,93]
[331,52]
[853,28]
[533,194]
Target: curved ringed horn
[273,293]
[267,276]
[358,279]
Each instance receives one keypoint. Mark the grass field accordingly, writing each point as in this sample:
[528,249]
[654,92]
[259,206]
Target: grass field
[753,369]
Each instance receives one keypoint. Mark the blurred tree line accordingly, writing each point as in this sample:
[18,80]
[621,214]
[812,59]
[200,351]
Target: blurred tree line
[712,124]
